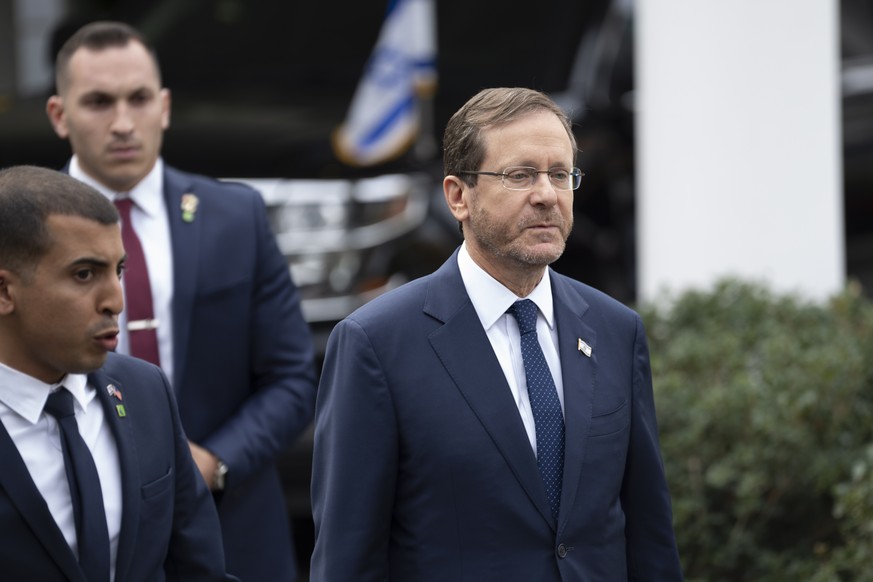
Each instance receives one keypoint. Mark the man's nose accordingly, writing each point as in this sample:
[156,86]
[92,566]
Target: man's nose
[113,302]
[123,121]
[543,191]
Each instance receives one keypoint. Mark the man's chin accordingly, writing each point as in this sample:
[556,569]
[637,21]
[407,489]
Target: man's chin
[91,363]
[541,255]
[122,176]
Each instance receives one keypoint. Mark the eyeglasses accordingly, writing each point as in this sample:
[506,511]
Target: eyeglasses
[524,178]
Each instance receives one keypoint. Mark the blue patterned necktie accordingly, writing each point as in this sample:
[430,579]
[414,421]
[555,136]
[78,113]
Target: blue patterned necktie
[85,491]
[544,403]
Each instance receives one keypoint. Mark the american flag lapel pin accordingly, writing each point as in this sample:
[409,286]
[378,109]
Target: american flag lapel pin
[583,347]
[116,393]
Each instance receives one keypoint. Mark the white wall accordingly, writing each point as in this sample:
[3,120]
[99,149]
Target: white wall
[739,160]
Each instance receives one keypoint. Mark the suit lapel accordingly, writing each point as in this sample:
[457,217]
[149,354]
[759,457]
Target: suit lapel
[468,357]
[185,241]
[579,373]
[130,479]
[16,482]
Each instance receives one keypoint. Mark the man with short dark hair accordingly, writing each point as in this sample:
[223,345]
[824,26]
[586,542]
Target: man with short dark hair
[97,481]
[493,420]
[209,295]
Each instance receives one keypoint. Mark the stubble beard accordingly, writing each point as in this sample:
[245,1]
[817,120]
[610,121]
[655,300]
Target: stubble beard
[506,244]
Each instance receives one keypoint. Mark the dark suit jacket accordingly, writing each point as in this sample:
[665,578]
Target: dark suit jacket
[168,524]
[243,357]
[423,470]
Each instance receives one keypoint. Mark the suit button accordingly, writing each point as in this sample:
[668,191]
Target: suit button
[562,551]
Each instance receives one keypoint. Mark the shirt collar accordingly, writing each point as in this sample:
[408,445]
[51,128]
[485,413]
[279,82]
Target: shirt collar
[491,299]
[146,194]
[26,396]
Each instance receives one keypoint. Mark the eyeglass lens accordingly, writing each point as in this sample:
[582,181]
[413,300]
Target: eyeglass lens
[523,178]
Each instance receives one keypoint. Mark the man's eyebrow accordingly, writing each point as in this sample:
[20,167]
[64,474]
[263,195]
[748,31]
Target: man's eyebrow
[100,93]
[95,93]
[89,262]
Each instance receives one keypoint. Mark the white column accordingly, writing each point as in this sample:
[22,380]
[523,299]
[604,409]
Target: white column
[738,145]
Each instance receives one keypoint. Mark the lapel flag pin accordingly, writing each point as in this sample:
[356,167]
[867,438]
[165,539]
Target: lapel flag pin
[113,391]
[189,206]
[116,393]
[583,347]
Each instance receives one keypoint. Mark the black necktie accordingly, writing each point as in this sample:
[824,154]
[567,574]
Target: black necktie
[544,403]
[85,491]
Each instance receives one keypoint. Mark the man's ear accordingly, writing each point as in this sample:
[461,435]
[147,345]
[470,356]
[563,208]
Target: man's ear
[456,192]
[7,301]
[55,110]
[166,102]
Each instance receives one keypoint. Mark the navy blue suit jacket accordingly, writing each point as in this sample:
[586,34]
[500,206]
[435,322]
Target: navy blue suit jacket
[423,470]
[168,524]
[243,361]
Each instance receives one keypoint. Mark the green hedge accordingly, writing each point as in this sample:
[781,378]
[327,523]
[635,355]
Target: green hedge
[765,406]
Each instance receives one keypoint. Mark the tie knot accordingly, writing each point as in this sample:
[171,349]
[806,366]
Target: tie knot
[525,313]
[124,205]
[60,404]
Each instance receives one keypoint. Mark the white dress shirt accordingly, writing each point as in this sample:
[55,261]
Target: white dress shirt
[491,300]
[37,437]
[149,216]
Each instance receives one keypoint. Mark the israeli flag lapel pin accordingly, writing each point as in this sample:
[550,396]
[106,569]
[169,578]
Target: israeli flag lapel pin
[583,347]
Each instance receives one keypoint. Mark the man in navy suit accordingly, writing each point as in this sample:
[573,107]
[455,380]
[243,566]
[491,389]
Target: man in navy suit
[61,259]
[229,330]
[493,420]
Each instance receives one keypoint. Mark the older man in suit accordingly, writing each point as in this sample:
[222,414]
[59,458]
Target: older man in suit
[98,482]
[209,296]
[493,420]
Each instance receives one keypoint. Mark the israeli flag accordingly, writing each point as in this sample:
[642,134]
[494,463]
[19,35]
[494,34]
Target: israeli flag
[385,115]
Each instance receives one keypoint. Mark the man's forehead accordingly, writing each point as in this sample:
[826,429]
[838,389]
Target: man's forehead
[74,235]
[536,132]
[112,66]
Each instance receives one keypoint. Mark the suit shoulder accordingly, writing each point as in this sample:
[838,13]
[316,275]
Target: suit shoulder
[595,299]
[132,372]
[209,186]
[392,307]
[136,377]
[122,365]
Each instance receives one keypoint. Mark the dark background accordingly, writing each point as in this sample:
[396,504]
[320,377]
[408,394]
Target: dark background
[258,86]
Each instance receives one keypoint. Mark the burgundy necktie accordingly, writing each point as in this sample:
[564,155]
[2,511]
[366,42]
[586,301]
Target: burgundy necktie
[141,323]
